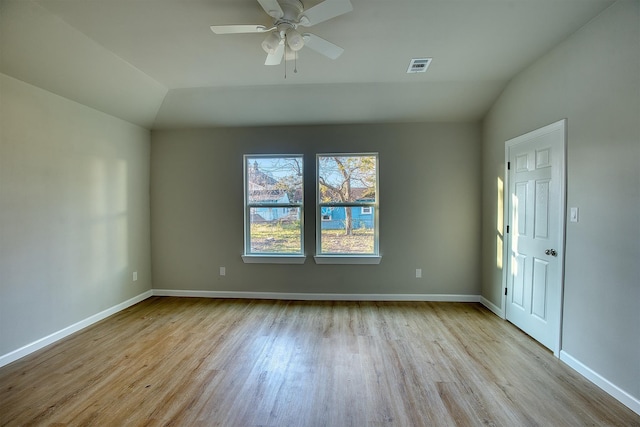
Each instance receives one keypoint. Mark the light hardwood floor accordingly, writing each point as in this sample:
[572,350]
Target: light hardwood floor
[191,362]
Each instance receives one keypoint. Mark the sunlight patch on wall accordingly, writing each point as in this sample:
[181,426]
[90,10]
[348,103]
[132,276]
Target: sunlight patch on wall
[500,224]
[110,228]
[118,188]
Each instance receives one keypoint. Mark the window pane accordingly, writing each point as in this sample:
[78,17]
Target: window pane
[274,180]
[273,204]
[347,178]
[275,230]
[337,238]
[347,204]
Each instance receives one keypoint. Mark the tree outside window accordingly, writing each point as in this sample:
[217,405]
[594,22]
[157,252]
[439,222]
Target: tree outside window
[348,189]
[274,210]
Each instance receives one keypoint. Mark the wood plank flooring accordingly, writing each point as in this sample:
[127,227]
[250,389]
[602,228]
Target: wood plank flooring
[206,362]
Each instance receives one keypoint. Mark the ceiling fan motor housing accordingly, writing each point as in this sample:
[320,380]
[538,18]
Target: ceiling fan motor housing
[290,19]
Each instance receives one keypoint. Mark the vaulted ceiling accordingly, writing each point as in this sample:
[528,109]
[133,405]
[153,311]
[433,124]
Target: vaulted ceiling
[156,63]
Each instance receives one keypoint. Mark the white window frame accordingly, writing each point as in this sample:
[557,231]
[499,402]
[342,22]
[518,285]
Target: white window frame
[348,258]
[269,257]
[366,210]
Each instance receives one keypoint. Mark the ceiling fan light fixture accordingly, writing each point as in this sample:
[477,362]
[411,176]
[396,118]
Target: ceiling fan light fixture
[294,39]
[271,43]
[290,54]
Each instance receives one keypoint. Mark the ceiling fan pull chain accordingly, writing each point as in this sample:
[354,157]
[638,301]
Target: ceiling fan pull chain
[295,62]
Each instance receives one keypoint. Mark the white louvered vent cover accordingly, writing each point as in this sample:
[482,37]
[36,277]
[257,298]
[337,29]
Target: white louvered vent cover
[419,65]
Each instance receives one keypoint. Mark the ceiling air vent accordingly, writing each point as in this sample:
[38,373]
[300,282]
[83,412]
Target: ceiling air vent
[418,65]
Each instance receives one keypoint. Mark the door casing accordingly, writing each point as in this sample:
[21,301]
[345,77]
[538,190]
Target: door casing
[561,124]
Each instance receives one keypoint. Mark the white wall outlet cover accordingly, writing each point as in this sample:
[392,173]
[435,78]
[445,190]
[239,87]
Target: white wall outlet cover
[223,271]
[135,276]
[418,273]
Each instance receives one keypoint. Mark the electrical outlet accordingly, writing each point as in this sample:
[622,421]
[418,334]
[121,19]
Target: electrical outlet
[223,271]
[135,276]
[418,273]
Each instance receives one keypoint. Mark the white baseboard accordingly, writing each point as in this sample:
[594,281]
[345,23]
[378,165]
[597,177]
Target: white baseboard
[302,296]
[50,339]
[491,306]
[625,398]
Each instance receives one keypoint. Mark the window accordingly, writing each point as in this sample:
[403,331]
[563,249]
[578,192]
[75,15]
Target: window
[347,202]
[274,211]
[325,214]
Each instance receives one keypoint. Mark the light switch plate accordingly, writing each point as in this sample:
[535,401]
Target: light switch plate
[573,215]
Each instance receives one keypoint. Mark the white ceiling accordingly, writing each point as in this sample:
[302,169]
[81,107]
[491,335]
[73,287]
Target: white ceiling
[157,64]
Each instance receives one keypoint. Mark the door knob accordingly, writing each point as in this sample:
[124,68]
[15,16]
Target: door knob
[551,252]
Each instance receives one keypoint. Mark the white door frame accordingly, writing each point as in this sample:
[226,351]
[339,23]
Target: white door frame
[506,244]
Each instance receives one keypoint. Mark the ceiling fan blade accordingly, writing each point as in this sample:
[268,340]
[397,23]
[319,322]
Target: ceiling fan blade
[239,29]
[272,8]
[324,11]
[275,58]
[322,46]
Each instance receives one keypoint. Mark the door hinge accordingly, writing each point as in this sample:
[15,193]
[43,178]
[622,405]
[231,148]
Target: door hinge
[508,166]
[505,291]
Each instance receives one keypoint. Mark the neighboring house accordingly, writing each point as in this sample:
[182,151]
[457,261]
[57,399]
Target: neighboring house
[263,189]
[265,214]
[333,218]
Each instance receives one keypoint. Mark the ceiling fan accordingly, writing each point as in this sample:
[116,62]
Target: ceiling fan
[284,39]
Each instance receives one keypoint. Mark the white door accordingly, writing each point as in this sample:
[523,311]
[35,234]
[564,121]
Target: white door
[535,239]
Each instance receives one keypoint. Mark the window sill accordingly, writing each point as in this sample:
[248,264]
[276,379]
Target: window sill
[274,259]
[347,259]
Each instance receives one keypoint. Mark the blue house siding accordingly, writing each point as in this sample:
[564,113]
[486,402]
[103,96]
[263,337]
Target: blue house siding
[269,214]
[334,218]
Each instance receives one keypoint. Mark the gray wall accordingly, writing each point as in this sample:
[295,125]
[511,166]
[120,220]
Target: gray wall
[429,195]
[593,80]
[74,213]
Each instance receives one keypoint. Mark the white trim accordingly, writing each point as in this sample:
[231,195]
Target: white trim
[375,205]
[625,398]
[303,296]
[65,332]
[274,259]
[505,236]
[491,306]
[347,259]
[248,206]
